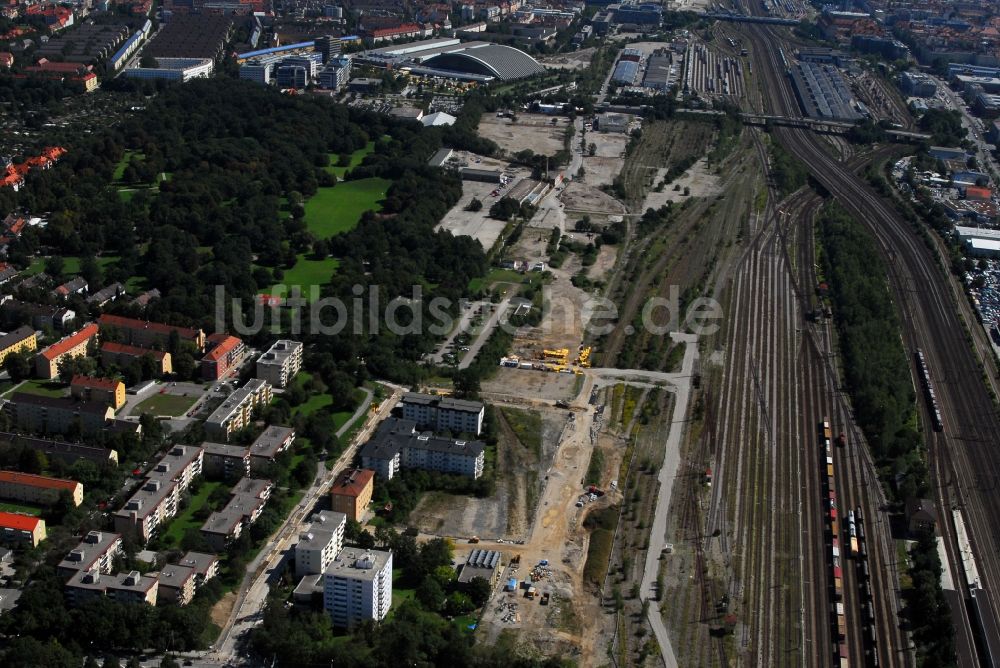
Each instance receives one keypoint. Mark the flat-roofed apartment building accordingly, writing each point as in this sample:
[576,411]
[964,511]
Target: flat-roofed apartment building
[351,492]
[444,413]
[74,345]
[96,551]
[397,445]
[17,529]
[157,499]
[34,414]
[38,489]
[274,440]
[223,460]
[236,410]
[250,495]
[319,543]
[147,334]
[20,340]
[280,363]
[358,586]
[176,583]
[206,566]
[132,587]
[121,355]
[110,391]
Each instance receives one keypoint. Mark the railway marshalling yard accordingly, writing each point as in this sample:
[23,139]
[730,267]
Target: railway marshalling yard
[709,444]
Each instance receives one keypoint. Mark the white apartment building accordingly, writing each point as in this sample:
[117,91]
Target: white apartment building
[235,412]
[319,544]
[280,363]
[358,586]
[444,413]
[156,501]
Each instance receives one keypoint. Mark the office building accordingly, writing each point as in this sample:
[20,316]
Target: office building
[351,492]
[320,543]
[107,391]
[38,489]
[237,409]
[256,71]
[96,552]
[444,413]
[397,445]
[358,587]
[156,501]
[280,363]
[21,340]
[328,47]
[74,345]
[917,84]
[336,74]
[224,526]
[297,71]
[17,530]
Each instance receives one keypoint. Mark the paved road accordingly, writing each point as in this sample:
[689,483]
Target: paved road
[464,320]
[484,334]
[256,585]
[658,532]
[358,413]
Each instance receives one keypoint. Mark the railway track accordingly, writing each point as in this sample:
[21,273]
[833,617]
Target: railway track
[932,323]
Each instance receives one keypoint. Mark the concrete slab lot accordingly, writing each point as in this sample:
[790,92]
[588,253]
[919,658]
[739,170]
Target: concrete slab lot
[534,132]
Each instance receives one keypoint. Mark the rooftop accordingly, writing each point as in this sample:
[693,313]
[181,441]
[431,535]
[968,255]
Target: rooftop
[18,335]
[358,564]
[156,327]
[33,480]
[18,521]
[224,347]
[61,403]
[95,382]
[351,482]
[121,348]
[444,403]
[68,343]
[271,441]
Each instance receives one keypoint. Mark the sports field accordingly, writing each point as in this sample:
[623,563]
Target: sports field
[338,209]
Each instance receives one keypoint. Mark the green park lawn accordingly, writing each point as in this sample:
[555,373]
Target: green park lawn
[123,163]
[71,264]
[185,519]
[305,273]
[43,388]
[166,404]
[338,209]
[356,159]
[22,508]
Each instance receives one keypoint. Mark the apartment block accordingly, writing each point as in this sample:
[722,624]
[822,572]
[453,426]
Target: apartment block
[274,440]
[37,489]
[21,339]
[156,501]
[21,530]
[66,452]
[358,586]
[74,345]
[444,413]
[225,353]
[176,583]
[320,543]
[351,492]
[110,391]
[249,498]
[34,413]
[397,444]
[226,461]
[147,334]
[120,354]
[96,552]
[132,587]
[237,409]
[280,363]
[205,566]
